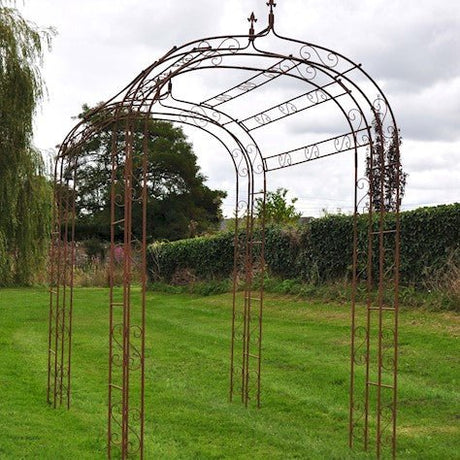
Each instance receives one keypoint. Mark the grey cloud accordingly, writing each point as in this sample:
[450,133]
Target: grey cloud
[161,27]
[423,55]
[432,113]
[411,47]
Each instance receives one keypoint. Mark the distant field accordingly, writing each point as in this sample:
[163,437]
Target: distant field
[305,382]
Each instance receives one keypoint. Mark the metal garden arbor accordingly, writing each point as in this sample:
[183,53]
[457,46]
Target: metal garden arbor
[253,71]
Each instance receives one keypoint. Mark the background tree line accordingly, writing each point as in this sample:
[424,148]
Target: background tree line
[180,204]
[25,193]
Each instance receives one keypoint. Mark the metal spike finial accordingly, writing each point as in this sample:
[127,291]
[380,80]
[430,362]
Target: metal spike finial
[252,19]
[271,4]
[271,16]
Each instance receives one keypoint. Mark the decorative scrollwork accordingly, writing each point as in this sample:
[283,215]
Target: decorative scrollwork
[307,72]
[187,59]
[381,108]
[358,414]
[270,74]
[363,203]
[387,415]
[223,98]
[356,117]
[135,357]
[255,159]
[136,198]
[242,206]
[390,130]
[364,139]
[286,66]
[388,339]
[185,116]
[116,412]
[119,200]
[343,143]
[134,441]
[136,331]
[262,119]
[236,154]
[229,44]
[315,97]
[241,162]
[199,116]
[311,53]
[388,361]
[115,438]
[360,351]
[287,108]
[117,337]
[116,417]
[285,160]
[311,151]
[246,87]
[203,46]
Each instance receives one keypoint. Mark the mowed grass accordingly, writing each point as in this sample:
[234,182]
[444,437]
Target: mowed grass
[305,375]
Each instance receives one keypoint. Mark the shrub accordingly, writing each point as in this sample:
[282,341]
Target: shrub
[322,250]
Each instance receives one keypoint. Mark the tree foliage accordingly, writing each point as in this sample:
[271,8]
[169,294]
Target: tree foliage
[278,210]
[24,192]
[180,205]
[383,169]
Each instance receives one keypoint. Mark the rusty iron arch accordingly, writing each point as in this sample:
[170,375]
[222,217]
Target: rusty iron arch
[260,60]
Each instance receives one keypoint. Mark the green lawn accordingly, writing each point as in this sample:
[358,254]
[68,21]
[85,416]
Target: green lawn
[305,382]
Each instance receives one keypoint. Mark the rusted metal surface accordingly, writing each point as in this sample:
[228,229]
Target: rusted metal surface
[62,261]
[323,78]
[126,328]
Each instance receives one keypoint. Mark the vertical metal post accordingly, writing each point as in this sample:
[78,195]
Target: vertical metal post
[353,304]
[62,259]
[145,176]
[234,287]
[126,392]
[114,439]
[72,269]
[247,293]
[261,292]
[370,287]
[396,297]
[381,322]
[127,274]
[247,316]
[53,289]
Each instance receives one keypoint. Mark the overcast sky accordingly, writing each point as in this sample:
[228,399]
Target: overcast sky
[411,47]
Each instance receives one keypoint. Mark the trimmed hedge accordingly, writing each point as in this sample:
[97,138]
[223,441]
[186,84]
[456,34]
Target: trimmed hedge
[322,249]
[208,258]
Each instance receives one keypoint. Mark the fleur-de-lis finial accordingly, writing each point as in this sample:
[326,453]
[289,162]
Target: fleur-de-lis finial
[271,4]
[271,16]
[252,19]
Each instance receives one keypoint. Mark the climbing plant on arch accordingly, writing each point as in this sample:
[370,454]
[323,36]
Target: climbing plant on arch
[251,73]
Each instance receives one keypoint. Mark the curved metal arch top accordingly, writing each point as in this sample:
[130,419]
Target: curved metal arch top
[249,84]
[330,75]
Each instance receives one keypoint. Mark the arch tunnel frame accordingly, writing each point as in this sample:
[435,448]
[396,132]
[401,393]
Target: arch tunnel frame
[371,128]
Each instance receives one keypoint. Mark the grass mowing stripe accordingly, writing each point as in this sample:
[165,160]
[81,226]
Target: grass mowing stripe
[304,390]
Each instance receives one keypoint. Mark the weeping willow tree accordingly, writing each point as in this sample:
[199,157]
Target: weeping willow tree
[25,194]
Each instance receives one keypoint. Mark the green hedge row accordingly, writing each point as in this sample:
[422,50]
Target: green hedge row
[322,249]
